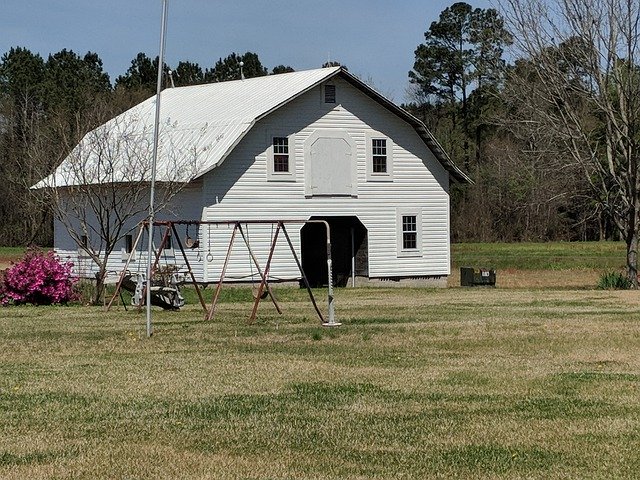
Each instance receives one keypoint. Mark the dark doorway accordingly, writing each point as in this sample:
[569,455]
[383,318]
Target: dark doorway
[348,246]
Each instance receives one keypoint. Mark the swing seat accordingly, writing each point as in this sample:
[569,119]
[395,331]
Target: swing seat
[166,297]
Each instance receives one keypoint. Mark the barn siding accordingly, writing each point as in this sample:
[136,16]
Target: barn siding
[184,205]
[242,191]
[238,190]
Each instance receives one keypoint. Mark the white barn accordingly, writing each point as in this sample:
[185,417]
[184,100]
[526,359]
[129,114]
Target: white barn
[317,144]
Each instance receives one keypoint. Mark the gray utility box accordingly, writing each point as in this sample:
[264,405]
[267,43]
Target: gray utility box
[470,277]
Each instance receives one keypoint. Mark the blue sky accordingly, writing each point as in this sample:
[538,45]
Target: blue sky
[375,39]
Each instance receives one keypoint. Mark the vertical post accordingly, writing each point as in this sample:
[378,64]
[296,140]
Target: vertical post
[353,257]
[332,321]
[154,161]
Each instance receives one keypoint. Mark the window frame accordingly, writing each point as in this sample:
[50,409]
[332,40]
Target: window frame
[272,174]
[400,232]
[372,176]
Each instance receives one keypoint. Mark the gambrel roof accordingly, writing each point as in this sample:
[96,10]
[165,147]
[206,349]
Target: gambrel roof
[203,124]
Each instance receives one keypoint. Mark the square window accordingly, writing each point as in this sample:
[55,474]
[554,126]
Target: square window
[281,163]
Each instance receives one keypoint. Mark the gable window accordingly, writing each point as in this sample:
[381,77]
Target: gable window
[329,94]
[280,160]
[379,157]
[409,225]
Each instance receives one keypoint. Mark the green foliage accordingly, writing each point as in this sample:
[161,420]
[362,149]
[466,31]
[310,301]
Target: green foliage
[188,73]
[464,46]
[71,82]
[281,69]
[613,280]
[141,75]
[229,68]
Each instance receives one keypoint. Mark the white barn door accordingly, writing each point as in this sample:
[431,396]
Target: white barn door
[330,164]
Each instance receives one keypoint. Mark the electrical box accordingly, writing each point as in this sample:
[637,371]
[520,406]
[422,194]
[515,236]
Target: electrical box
[471,277]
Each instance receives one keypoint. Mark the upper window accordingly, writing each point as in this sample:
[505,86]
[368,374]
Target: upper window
[409,232]
[379,158]
[281,154]
[280,161]
[329,94]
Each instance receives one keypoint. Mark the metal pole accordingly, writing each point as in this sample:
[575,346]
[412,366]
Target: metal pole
[353,257]
[154,161]
[332,320]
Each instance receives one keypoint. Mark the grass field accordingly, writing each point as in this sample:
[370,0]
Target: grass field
[523,381]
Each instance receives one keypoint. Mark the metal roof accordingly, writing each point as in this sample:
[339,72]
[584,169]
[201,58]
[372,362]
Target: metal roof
[200,125]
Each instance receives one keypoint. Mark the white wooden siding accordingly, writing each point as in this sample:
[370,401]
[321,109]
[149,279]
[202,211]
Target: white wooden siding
[243,192]
[187,204]
[239,189]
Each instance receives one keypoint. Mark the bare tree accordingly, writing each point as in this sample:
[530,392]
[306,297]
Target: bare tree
[579,83]
[101,189]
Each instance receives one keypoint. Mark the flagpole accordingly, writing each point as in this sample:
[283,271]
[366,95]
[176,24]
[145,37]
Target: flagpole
[154,161]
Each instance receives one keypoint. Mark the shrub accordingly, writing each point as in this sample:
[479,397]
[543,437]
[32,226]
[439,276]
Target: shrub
[614,281]
[39,278]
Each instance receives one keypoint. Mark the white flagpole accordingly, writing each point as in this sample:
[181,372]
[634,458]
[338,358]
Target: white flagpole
[154,161]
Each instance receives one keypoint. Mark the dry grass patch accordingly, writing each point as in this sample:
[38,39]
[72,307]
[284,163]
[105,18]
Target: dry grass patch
[461,383]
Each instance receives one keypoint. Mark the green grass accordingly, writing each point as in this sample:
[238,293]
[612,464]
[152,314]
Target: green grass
[540,256]
[456,383]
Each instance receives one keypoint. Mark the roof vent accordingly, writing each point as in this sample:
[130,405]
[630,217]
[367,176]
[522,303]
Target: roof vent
[329,94]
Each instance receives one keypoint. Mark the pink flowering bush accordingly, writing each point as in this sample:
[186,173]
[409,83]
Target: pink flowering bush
[39,278]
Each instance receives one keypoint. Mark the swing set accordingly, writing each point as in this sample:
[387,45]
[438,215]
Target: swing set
[166,281]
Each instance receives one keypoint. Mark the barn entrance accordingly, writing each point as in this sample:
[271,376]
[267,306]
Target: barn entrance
[349,250]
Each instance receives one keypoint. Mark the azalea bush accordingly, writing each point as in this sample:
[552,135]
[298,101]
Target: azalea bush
[40,279]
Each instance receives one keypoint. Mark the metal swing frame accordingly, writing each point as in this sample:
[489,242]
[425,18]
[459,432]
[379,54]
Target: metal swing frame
[170,230]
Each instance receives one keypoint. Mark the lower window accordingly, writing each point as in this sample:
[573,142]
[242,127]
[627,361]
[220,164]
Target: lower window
[409,226]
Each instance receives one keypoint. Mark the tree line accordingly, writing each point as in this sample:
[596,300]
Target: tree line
[551,137]
[550,133]
[48,105]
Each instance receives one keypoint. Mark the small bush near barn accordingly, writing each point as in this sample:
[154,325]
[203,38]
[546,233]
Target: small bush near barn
[39,279]
[614,281]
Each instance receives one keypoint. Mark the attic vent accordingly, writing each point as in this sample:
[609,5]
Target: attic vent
[329,94]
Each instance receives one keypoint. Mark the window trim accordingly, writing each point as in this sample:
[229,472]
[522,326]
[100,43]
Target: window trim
[272,175]
[379,176]
[409,252]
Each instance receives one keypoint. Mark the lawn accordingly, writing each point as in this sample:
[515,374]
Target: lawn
[417,383]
